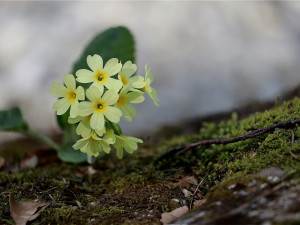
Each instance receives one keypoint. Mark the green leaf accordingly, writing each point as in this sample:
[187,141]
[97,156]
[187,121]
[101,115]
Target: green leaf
[12,120]
[116,128]
[115,42]
[68,154]
[63,120]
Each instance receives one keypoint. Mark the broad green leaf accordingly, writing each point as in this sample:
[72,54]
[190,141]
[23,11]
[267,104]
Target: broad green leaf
[115,42]
[12,120]
[63,120]
[68,154]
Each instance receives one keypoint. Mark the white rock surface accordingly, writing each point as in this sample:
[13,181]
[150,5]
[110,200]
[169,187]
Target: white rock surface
[206,56]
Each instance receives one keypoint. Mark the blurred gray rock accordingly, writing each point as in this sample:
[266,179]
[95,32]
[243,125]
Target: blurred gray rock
[206,57]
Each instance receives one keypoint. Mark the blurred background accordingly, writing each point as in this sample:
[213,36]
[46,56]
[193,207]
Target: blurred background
[206,57]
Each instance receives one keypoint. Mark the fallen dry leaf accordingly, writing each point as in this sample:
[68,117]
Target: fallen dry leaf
[186,181]
[29,162]
[39,157]
[186,193]
[198,203]
[167,218]
[79,173]
[22,212]
[91,170]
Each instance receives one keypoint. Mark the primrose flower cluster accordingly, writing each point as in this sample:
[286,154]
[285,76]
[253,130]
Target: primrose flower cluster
[97,110]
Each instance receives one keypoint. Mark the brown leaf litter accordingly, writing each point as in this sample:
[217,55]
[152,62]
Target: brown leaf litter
[22,212]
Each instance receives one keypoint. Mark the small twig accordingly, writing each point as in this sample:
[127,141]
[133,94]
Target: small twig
[51,197]
[294,156]
[293,135]
[252,128]
[50,189]
[71,192]
[191,203]
[40,191]
[257,132]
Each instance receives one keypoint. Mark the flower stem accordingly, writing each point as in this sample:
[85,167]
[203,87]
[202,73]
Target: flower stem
[42,139]
[116,128]
[91,159]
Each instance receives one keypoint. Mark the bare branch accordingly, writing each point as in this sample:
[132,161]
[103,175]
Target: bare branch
[257,132]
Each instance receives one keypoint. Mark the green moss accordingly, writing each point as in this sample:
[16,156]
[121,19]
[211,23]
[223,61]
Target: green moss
[219,162]
[110,196]
[76,215]
[134,190]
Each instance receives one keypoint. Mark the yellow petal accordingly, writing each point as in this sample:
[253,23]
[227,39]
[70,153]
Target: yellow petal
[61,106]
[97,121]
[69,81]
[93,93]
[85,108]
[113,114]
[58,90]
[110,97]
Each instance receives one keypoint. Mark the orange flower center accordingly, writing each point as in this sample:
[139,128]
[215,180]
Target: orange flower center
[71,95]
[121,101]
[100,77]
[99,106]
[124,80]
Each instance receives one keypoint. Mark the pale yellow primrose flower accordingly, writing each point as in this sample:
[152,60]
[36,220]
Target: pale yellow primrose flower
[84,128]
[93,144]
[128,111]
[69,95]
[100,107]
[147,88]
[126,76]
[129,144]
[101,76]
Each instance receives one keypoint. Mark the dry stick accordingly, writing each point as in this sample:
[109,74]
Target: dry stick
[191,203]
[255,133]
[293,135]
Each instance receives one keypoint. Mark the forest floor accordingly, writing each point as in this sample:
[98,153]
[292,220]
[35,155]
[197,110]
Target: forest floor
[254,181]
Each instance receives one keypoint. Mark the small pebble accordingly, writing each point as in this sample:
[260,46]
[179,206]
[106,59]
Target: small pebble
[175,199]
[201,214]
[266,223]
[273,179]
[252,183]
[231,186]
[218,203]
[262,186]
[253,213]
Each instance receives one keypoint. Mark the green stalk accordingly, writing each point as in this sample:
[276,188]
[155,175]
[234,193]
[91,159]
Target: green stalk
[116,128]
[42,139]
